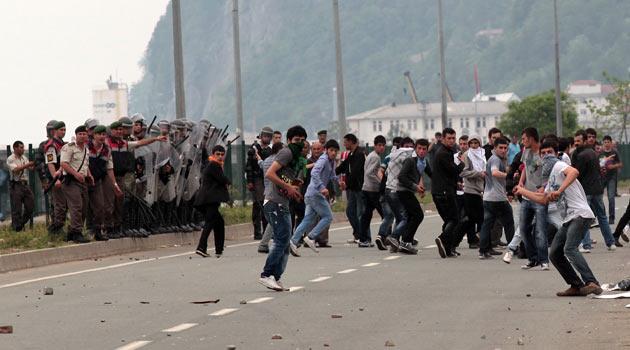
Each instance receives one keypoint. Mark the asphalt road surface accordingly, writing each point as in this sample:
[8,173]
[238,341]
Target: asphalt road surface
[344,297]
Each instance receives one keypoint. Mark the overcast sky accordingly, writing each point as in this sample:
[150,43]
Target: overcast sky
[55,52]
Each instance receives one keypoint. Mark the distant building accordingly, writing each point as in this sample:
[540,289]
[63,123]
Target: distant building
[585,93]
[503,97]
[111,102]
[423,120]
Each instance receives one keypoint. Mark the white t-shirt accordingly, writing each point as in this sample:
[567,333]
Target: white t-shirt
[572,202]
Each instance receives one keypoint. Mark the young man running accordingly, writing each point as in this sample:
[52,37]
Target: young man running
[371,193]
[576,218]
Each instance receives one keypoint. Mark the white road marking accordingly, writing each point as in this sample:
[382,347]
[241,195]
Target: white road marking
[346,271]
[430,246]
[371,264]
[223,312]
[179,328]
[320,279]
[134,345]
[295,289]
[260,300]
[393,257]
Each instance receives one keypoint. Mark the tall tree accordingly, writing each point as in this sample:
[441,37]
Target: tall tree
[539,111]
[617,109]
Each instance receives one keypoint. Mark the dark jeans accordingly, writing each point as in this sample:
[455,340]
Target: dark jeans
[596,202]
[258,218]
[214,222]
[279,218]
[493,211]
[447,208]
[565,255]
[610,187]
[473,206]
[354,210]
[415,214]
[388,217]
[399,213]
[536,244]
[371,201]
[22,204]
[622,223]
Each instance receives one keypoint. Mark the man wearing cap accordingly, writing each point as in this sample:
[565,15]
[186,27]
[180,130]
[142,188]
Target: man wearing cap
[124,168]
[139,126]
[22,201]
[90,124]
[52,151]
[255,178]
[76,170]
[102,169]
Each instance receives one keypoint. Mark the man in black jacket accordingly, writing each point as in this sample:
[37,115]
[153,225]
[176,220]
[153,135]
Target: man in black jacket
[214,191]
[585,160]
[255,179]
[443,189]
[353,168]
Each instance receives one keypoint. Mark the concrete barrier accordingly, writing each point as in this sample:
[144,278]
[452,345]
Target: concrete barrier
[94,250]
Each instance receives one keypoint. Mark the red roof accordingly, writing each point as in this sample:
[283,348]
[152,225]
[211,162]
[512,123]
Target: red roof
[585,82]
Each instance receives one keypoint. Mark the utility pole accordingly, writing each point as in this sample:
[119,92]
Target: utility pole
[442,66]
[341,103]
[178,58]
[237,69]
[557,52]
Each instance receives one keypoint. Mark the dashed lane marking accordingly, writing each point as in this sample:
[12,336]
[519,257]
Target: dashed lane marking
[346,271]
[295,289]
[134,345]
[223,312]
[430,246]
[179,328]
[393,257]
[320,279]
[371,264]
[260,300]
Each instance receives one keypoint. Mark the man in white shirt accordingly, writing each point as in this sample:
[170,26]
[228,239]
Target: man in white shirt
[22,201]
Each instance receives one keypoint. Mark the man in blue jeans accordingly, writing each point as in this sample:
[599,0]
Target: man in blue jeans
[316,199]
[283,175]
[535,239]
[610,163]
[576,216]
[585,160]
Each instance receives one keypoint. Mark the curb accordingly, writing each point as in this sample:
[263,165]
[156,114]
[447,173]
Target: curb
[94,250]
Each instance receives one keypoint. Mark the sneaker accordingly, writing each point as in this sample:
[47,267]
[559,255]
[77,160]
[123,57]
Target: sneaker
[293,249]
[485,256]
[407,248]
[584,250]
[455,252]
[379,243]
[617,243]
[591,288]
[571,292]
[544,267]
[612,248]
[311,244]
[365,244]
[393,243]
[393,248]
[218,255]
[282,286]
[507,257]
[624,235]
[352,241]
[414,243]
[263,249]
[202,253]
[440,248]
[529,265]
[270,282]
[494,252]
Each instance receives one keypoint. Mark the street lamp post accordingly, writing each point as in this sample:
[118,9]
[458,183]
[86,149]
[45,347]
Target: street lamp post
[341,103]
[557,64]
[442,65]
[178,59]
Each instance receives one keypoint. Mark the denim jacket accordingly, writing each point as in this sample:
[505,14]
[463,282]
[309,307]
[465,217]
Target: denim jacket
[323,172]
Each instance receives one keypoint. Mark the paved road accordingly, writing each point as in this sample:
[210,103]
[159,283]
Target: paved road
[144,300]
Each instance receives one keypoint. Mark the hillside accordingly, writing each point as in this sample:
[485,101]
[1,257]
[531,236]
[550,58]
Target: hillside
[288,54]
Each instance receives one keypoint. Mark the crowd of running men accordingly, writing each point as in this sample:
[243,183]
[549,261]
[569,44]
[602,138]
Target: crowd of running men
[558,182]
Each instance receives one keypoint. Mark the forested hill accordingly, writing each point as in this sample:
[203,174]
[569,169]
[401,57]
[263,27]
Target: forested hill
[287,52]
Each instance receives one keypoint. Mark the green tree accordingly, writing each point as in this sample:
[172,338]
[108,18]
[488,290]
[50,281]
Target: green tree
[539,111]
[618,107]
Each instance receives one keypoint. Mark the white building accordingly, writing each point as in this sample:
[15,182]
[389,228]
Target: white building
[503,97]
[111,102]
[424,120]
[585,93]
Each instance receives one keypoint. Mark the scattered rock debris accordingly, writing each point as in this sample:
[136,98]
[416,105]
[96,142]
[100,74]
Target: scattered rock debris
[145,302]
[528,295]
[520,341]
[48,291]
[483,337]
[207,301]
[336,316]
[243,302]
[276,337]
[389,344]
[6,329]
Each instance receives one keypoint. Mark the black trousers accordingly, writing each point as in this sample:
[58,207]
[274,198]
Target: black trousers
[473,206]
[446,206]
[371,202]
[214,222]
[415,214]
[622,223]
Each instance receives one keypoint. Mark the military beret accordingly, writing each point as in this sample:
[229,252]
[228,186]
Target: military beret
[59,125]
[115,125]
[51,124]
[100,129]
[322,132]
[126,122]
[91,123]
[80,128]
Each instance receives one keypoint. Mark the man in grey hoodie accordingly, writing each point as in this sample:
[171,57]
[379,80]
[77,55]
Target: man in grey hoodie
[474,178]
[371,185]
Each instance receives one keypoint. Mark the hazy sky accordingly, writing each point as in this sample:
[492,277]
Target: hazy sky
[55,52]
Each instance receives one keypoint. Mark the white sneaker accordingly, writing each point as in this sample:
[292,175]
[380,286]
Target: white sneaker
[270,282]
[544,267]
[612,247]
[282,286]
[311,244]
[294,249]
[583,250]
[507,257]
